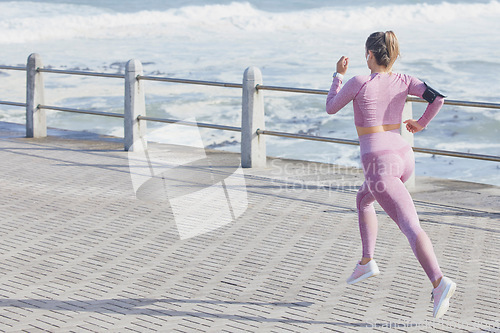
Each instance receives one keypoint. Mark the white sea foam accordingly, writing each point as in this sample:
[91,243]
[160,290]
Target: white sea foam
[22,22]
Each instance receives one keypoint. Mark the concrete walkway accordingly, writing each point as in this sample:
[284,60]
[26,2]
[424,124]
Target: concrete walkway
[94,239]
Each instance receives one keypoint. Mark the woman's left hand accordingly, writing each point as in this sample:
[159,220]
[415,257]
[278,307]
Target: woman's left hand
[413,126]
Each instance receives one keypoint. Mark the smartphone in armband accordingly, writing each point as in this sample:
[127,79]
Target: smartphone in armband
[431,94]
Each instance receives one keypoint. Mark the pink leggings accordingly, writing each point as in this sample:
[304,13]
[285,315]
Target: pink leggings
[388,162]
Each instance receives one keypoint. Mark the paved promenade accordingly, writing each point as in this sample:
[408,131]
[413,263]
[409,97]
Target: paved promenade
[94,239]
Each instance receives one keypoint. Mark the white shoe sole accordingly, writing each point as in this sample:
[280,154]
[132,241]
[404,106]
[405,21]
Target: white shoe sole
[364,276]
[444,303]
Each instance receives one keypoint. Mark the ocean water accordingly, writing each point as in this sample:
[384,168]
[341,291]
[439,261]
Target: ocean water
[452,45]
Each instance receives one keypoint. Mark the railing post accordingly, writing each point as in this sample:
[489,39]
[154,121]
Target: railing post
[253,146]
[36,123]
[408,136]
[135,105]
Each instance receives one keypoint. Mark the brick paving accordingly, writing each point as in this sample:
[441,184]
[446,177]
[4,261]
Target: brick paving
[82,251]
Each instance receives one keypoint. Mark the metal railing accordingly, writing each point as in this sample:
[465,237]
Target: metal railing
[13,103]
[356,143]
[185,81]
[257,87]
[191,123]
[83,73]
[13,68]
[92,112]
[460,103]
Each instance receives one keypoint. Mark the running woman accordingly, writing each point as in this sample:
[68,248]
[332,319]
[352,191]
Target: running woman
[387,159]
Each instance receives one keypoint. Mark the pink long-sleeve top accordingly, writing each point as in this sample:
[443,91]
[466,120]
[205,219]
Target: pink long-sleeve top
[379,98]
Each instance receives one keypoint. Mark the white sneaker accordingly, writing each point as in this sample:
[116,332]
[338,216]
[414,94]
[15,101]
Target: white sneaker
[441,296]
[362,272]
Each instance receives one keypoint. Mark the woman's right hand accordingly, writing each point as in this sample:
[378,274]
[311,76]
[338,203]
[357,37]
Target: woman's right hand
[413,126]
[342,65]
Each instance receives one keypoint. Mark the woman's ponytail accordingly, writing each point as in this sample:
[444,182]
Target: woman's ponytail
[391,41]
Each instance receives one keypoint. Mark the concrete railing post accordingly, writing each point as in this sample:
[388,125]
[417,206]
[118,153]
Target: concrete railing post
[408,136]
[135,105]
[36,123]
[253,146]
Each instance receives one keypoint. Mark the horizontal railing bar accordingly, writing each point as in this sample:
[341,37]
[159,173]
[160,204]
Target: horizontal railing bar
[13,103]
[408,99]
[472,104]
[84,73]
[190,123]
[289,89]
[14,68]
[308,137]
[96,113]
[459,103]
[457,154]
[416,99]
[355,142]
[199,82]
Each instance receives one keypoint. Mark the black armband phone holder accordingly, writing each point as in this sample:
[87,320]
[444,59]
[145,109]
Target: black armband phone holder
[431,94]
